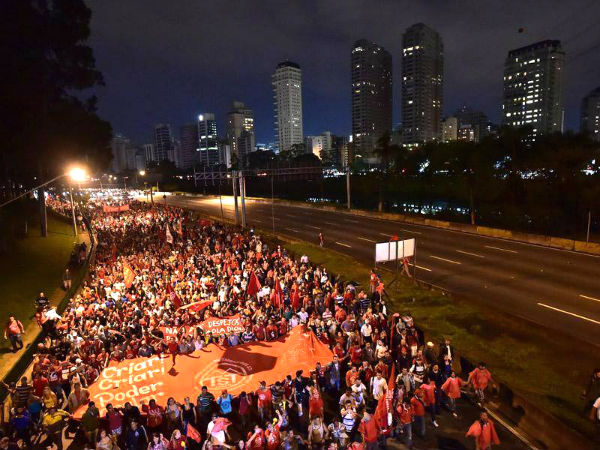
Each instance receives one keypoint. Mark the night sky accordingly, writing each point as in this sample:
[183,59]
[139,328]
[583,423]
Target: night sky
[169,60]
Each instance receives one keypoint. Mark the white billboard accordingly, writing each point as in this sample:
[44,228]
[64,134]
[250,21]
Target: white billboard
[393,250]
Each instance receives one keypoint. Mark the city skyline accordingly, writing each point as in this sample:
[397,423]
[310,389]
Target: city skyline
[473,62]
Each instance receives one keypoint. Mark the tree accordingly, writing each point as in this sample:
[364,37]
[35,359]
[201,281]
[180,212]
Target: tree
[46,65]
[387,152]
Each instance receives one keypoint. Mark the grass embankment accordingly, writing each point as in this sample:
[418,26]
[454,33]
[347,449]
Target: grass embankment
[29,263]
[546,369]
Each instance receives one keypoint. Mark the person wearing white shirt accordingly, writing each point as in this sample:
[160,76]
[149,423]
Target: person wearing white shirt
[378,386]
[366,331]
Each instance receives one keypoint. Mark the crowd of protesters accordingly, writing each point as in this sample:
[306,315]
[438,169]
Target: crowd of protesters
[153,259]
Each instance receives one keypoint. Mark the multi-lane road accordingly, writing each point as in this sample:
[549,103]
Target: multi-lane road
[559,289]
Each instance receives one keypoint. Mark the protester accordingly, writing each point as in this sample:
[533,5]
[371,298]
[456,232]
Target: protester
[13,331]
[483,432]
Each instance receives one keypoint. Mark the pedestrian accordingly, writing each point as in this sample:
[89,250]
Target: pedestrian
[405,420]
[321,242]
[451,388]
[90,421]
[480,377]
[484,432]
[53,423]
[14,331]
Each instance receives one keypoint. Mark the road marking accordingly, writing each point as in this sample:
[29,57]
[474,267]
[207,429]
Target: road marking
[386,234]
[424,268]
[289,215]
[569,313]
[294,230]
[256,220]
[352,220]
[589,298]
[341,243]
[501,249]
[444,259]
[410,231]
[368,240]
[312,226]
[330,223]
[469,253]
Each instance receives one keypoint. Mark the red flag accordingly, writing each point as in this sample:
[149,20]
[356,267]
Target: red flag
[173,296]
[168,235]
[385,407]
[197,306]
[128,275]
[278,299]
[253,285]
[221,423]
[179,229]
[192,433]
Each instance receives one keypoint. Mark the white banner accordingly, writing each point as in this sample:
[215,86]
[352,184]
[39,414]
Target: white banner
[393,250]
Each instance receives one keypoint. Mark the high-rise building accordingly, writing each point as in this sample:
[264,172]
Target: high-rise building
[339,147]
[533,84]
[590,114]
[208,144]
[449,129]
[120,147]
[163,142]
[149,152]
[240,131]
[287,96]
[371,70]
[314,145]
[188,149]
[465,133]
[422,85]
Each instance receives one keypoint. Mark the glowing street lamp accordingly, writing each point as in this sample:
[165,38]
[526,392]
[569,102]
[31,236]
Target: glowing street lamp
[75,174]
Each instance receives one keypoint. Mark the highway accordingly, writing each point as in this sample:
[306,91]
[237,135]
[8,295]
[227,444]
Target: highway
[558,289]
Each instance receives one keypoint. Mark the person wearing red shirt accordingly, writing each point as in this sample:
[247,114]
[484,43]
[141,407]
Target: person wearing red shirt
[419,411]
[256,439]
[428,389]
[351,375]
[273,437]
[370,430]
[451,388]
[480,377]
[356,354]
[39,383]
[484,432]
[405,420]
[155,415]
[264,399]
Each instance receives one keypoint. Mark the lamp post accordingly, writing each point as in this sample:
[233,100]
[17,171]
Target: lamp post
[77,175]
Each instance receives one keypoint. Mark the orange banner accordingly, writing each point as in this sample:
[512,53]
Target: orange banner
[172,332]
[236,369]
[217,327]
[111,209]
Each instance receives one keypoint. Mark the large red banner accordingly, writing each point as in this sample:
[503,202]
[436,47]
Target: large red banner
[236,369]
[111,209]
[216,326]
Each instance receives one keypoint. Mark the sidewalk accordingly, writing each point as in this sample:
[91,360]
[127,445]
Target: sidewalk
[32,331]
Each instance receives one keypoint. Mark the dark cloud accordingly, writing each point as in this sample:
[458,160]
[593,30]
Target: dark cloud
[166,61]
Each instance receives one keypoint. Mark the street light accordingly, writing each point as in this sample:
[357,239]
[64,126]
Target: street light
[79,175]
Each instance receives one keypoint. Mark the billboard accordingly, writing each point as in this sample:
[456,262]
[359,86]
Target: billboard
[393,250]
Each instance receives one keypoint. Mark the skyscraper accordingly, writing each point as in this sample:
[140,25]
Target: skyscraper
[120,147]
[287,96]
[163,142]
[590,114]
[188,149]
[371,69]
[207,139]
[533,81]
[240,131]
[476,120]
[422,84]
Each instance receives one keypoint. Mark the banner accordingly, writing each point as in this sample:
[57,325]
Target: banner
[172,332]
[236,369]
[128,275]
[112,209]
[226,325]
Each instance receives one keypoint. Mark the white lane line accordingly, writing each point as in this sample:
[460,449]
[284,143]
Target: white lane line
[289,215]
[256,220]
[501,249]
[470,254]
[312,226]
[294,230]
[368,240]
[569,313]
[331,223]
[424,268]
[444,259]
[351,220]
[341,243]
[589,298]
[386,234]
[410,231]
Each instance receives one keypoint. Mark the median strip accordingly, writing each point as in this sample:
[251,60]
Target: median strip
[569,313]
